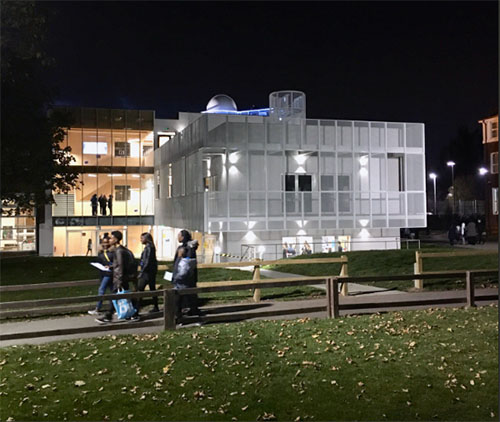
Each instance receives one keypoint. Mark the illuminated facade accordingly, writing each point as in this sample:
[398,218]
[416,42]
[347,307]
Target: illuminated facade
[113,151]
[269,176]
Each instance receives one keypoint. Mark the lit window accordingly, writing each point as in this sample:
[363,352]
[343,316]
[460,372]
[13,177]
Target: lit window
[95,148]
[494,201]
[122,193]
[494,162]
[122,149]
[494,129]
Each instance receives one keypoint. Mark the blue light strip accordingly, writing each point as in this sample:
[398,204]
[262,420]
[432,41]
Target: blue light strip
[256,112]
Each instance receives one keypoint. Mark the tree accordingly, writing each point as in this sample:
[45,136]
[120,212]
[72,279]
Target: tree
[34,160]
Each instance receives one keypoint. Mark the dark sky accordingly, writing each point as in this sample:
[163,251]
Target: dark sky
[430,62]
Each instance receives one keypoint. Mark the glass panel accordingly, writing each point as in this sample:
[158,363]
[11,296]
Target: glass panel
[395,135]
[415,172]
[134,149]
[238,170]
[414,135]
[312,133]
[257,170]
[362,173]
[396,203]
[378,173]
[257,204]
[377,136]
[328,204]
[147,194]
[275,204]
[361,136]
[275,133]
[416,204]
[344,135]
[121,193]
[75,143]
[362,205]
[121,149]
[293,204]
[237,204]
[90,196]
[217,204]
[256,133]
[104,153]
[147,150]
[134,201]
[327,134]
[237,132]
[275,171]
[327,183]
[379,206]
[90,147]
[345,203]
[293,134]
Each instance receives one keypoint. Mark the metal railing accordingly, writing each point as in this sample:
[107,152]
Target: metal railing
[276,250]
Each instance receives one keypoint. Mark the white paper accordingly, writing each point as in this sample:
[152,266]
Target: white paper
[167,276]
[99,266]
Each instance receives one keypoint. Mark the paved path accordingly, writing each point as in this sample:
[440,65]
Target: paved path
[354,288]
[235,312]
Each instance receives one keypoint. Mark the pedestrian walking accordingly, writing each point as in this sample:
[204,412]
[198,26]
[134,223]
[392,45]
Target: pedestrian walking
[124,272]
[149,268]
[471,233]
[189,302]
[452,234]
[102,203]
[89,247]
[93,204]
[110,204]
[183,277]
[106,277]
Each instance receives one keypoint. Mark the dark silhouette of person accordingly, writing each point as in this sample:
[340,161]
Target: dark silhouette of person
[93,203]
[103,202]
[110,204]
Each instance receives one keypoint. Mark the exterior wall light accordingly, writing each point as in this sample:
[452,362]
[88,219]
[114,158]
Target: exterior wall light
[363,160]
[483,171]
[233,158]
[217,250]
[364,222]
[300,159]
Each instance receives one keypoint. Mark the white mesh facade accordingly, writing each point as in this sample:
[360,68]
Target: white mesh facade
[251,173]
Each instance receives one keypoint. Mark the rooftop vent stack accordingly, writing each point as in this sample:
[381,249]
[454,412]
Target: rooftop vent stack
[287,105]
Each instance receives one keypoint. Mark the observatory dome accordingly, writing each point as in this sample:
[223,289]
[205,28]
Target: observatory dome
[221,103]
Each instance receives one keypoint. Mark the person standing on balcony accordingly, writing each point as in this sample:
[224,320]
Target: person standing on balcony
[93,203]
[110,204]
[103,202]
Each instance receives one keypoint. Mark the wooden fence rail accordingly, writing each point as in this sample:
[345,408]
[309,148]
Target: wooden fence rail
[332,306]
[418,267]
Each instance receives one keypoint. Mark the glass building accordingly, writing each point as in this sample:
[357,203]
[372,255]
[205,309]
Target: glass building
[274,176]
[113,151]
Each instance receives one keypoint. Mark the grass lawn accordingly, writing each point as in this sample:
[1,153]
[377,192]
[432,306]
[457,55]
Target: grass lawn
[396,262]
[413,365]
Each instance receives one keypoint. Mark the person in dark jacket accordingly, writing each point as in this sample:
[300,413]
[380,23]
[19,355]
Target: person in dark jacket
[102,203]
[110,204]
[183,278]
[189,303]
[149,268]
[122,275]
[93,202]
[105,258]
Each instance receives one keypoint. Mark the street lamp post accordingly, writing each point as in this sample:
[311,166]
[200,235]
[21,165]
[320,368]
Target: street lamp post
[452,165]
[433,176]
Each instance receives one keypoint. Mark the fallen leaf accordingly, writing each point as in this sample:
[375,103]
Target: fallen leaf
[79,383]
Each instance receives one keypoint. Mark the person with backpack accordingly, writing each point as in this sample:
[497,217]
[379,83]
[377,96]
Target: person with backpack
[149,268]
[188,247]
[124,272]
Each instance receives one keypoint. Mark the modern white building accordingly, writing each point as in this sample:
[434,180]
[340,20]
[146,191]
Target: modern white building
[273,176]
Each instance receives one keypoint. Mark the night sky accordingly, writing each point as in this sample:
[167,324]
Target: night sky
[434,62]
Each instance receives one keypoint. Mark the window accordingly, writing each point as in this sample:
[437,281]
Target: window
[327,182]
[494,129]
[122,149]
[305,183]
[169,191]
[494,201]
[158,184]
[95,148]
[290,182]
[344,182]
[122,193]
[494,162]
[146,149]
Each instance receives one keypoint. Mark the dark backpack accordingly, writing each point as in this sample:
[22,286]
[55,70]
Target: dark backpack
[132,265]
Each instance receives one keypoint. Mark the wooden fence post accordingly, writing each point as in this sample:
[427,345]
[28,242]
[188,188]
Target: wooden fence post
[344,273]
[418,269]
[329,307]
[335,297]
[256,277]
[469,288]
[169,309]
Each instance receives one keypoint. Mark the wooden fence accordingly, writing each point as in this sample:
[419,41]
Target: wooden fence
[419,261]
[332,305]
[258,264]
